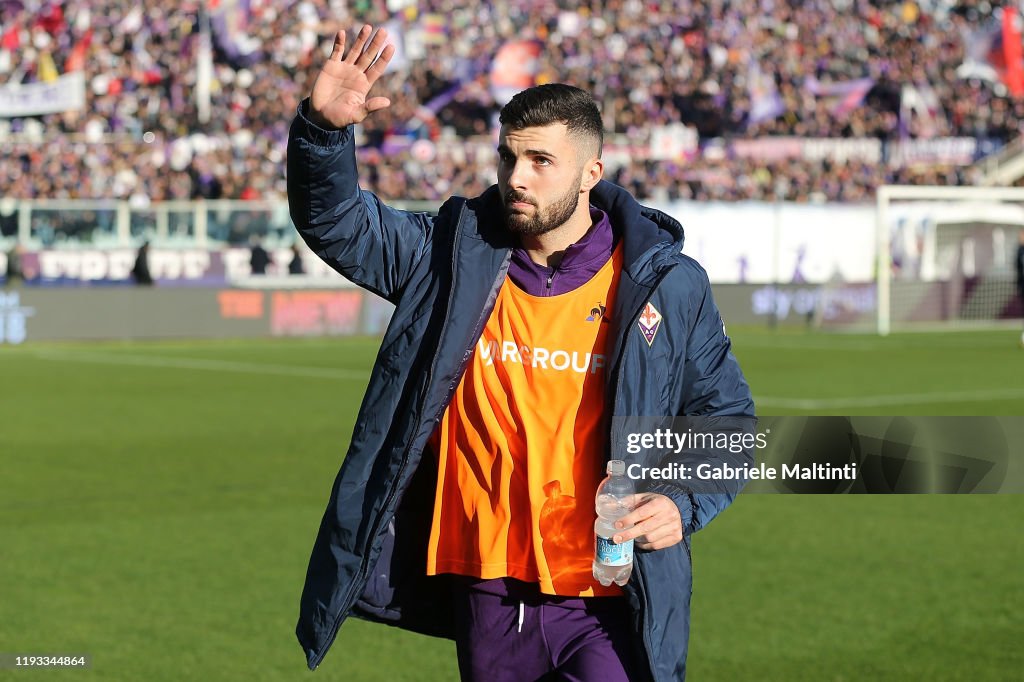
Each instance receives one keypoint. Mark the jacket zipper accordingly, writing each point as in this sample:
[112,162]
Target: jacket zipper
[618,389]
[364,565]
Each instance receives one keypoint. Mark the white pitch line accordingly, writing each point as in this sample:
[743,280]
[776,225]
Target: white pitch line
[882,400]
[167,362]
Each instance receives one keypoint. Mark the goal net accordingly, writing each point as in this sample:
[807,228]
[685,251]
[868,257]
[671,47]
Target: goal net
[946,256]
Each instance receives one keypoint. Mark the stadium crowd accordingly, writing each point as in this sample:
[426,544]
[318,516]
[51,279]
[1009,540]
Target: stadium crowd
[727,69]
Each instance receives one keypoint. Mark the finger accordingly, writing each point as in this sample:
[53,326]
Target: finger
[659,511]
[373,50]
[635,532]
[648,507]
[377,69]
[376,104]
[357,45]
[667,533]
[663,537]
[339,47]
[661,543]
[633,518]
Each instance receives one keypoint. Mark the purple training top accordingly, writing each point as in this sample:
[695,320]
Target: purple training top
[581,261]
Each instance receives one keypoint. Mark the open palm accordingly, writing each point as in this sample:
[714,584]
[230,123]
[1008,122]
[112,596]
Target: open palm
[339,95]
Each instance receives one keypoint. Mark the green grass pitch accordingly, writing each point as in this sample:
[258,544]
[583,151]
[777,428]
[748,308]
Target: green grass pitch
[158,502]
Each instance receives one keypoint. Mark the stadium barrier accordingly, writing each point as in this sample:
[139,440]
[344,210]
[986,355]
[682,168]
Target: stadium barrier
[770,263]
[267,310]
[207,241]
[105,224]
[35,314]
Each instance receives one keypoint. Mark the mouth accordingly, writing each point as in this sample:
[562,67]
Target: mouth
[517,203]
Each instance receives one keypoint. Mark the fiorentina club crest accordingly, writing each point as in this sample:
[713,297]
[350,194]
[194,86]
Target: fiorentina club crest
[650,320]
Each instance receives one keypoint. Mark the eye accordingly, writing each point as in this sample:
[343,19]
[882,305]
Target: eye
[543,161]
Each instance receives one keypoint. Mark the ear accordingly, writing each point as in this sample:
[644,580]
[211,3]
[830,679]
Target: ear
[593,171]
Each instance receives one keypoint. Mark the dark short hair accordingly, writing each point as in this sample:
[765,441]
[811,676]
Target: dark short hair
[552,103]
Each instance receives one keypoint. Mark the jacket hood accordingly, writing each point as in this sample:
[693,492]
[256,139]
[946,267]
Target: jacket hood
[651,239]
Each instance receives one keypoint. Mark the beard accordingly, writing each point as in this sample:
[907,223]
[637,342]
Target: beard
[542,221]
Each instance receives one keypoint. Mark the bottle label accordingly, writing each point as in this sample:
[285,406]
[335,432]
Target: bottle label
[611,554]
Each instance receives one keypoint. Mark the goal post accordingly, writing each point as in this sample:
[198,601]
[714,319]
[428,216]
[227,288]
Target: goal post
[944,255]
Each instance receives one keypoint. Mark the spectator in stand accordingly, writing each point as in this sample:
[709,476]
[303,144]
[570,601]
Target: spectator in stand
[140,271]
[259,259]
[295,266]
[15,274]
[1020,275]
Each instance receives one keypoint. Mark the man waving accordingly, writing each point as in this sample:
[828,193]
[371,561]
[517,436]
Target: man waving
[526,319]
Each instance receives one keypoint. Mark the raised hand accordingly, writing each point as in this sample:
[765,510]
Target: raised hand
[339,95]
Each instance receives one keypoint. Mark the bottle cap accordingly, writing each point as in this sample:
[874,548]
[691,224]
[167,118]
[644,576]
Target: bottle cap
[616,467]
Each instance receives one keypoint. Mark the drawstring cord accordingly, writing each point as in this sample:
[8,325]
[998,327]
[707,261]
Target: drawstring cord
[522,613]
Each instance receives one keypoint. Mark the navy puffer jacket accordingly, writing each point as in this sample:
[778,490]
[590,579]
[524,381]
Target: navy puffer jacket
[443,273]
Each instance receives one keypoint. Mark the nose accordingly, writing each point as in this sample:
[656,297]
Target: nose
[516,176]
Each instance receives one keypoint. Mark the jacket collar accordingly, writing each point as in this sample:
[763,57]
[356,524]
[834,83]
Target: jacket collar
[651,239]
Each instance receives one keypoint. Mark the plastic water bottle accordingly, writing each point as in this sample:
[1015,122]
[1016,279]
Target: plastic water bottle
[612,562]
